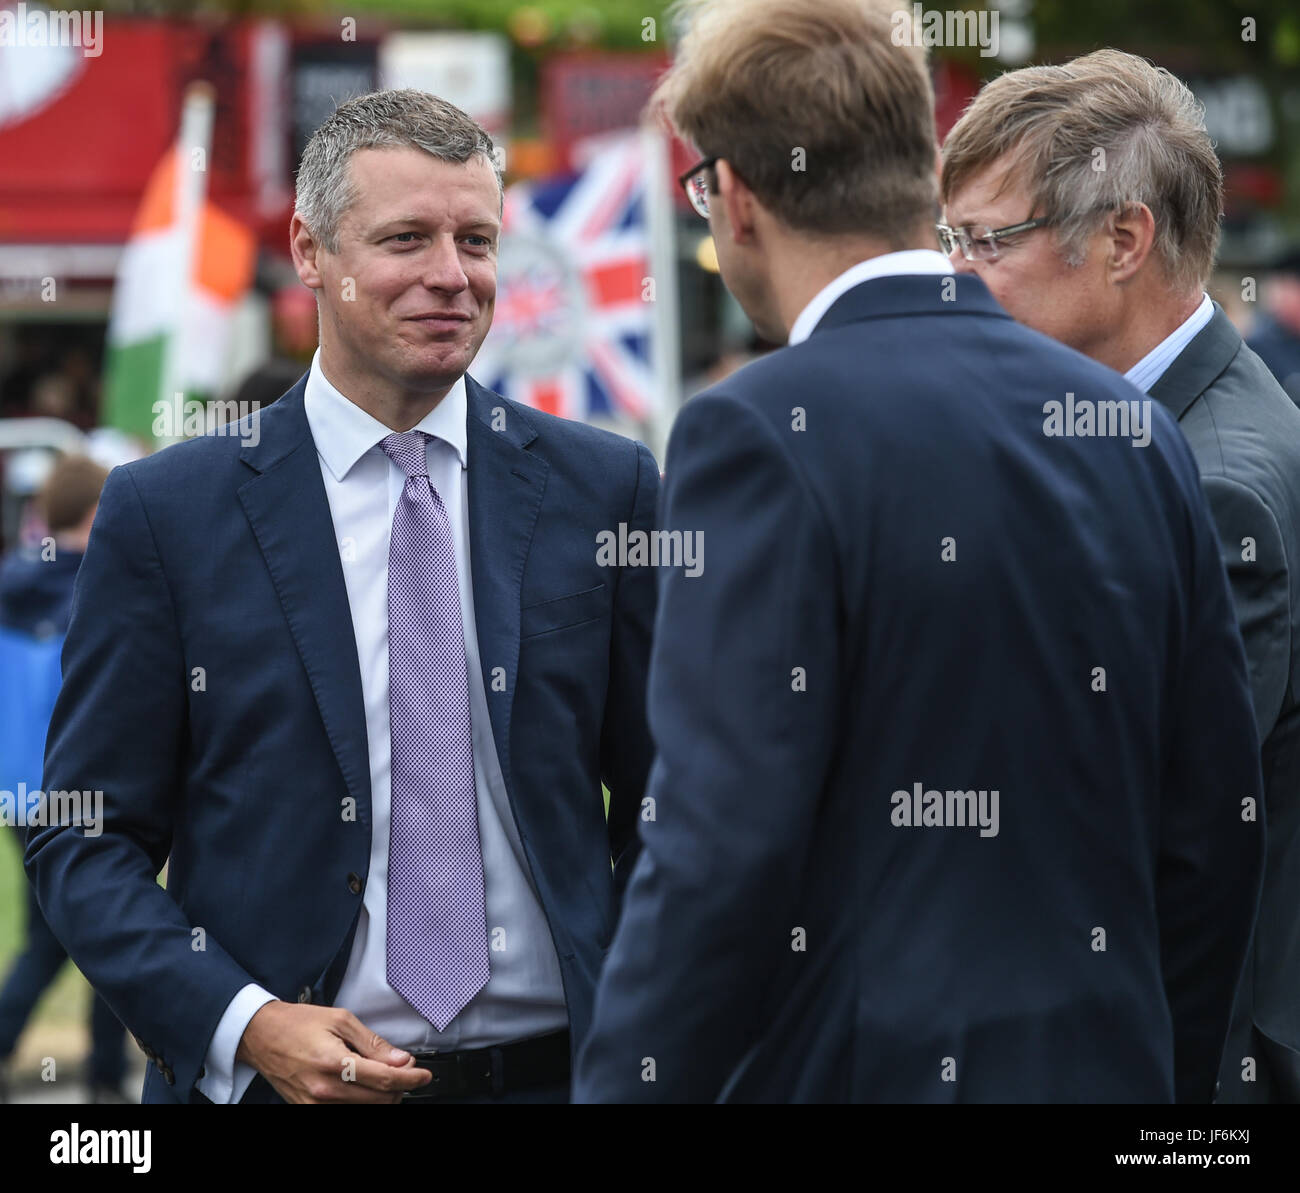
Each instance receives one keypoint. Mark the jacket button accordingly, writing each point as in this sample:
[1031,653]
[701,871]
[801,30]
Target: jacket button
[354,883]
[304,995]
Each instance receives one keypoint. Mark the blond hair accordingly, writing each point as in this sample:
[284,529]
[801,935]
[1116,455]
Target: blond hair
[1094,136]
[824,118]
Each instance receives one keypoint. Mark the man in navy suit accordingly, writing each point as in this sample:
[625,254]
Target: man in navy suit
[956,793]
[1117,269]
[355,671]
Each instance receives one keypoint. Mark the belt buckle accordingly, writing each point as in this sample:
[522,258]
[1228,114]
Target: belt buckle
[437,1086]
[452,1080]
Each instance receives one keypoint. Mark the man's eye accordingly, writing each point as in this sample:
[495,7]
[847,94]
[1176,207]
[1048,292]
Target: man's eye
[483,241]
[399,240]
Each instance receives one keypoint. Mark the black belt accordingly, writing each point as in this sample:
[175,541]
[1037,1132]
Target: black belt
[543,1060]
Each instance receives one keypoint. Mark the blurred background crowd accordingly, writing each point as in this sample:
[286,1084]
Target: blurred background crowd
[125,298]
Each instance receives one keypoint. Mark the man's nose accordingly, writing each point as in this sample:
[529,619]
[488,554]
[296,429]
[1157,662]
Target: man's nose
[442,267]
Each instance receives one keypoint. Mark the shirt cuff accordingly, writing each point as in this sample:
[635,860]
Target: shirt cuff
[225,1080]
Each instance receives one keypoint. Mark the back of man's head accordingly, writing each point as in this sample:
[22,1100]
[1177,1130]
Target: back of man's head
[1093,136]
[815,106]
[70,493]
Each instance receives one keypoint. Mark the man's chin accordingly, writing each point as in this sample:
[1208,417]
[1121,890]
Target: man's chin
[424,373]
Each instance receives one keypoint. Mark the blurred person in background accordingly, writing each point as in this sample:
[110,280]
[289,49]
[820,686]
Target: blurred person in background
[36,582]
[35,605]
[907,588]
[266,384]
[1276,334]
[54,396]
[51,379]
[1087,197]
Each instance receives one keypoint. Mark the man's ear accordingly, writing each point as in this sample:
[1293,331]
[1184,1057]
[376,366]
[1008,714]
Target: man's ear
[304,248]
[738,203]
[1132,235]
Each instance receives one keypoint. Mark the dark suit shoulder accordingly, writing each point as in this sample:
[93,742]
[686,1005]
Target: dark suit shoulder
[184,471]
[1246,430]
[203,452]
[601,464]
[887,374]
[881,353]
[565,434]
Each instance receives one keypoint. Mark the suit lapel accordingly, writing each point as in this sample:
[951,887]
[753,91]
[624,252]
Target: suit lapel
[289,512]
[1198,365]
[505,486]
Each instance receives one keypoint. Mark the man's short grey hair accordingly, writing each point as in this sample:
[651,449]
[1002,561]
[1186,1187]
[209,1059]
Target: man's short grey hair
[1095,136]
[397,119]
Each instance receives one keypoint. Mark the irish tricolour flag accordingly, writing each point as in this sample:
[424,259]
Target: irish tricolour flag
[185,267]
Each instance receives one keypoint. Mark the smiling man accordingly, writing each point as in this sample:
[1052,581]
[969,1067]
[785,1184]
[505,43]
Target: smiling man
[361,680]
[1087,198]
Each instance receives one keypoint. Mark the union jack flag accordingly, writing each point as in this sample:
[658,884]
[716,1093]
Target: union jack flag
[572,333]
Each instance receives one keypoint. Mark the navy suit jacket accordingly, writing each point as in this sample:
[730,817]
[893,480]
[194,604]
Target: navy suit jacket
[221,555]
[908,584]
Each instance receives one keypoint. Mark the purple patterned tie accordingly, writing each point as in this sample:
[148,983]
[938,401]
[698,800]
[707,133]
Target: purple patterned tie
[437,925]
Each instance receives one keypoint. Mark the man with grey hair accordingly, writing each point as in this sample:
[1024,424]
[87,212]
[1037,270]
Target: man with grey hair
[1087,198]
[361,677]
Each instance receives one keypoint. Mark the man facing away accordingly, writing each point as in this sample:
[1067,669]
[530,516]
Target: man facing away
[358,672]
[1105,166]
[953,731]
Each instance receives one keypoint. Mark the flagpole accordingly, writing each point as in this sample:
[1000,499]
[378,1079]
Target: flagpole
[193,149]
[666,354]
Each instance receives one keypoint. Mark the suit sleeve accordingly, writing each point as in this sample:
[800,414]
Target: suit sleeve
[1211,839]
[119,729]
[1255,559]
[625,747]
[743,703]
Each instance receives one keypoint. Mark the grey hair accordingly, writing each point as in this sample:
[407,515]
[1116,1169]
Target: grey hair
[394,119]
[1096,136]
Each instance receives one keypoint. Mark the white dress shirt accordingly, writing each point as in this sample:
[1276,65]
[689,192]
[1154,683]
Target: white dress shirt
[886,265]
[524,996]
[1156,363]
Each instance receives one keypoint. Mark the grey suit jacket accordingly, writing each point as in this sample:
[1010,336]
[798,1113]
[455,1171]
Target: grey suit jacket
[1245,434]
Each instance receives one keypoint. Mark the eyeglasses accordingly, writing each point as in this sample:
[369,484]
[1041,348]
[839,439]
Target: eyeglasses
[979,243]
[695,182]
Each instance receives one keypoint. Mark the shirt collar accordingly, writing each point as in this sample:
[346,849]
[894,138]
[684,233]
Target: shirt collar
[1155,363]
[908,261]
[344,432]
